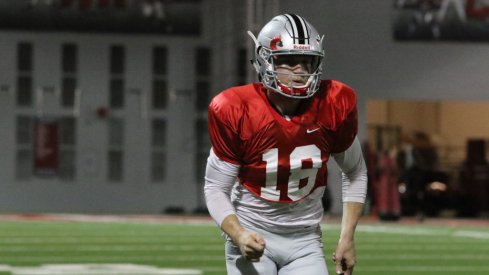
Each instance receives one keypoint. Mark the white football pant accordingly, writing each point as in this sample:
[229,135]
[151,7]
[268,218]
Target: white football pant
[285,254]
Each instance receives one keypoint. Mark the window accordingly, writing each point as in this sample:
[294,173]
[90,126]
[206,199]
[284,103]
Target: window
[24,91]
[160,60]
[69,67]
[158,156]
[203,61]
[24,161]
[159,94]
[67,131]
[115,153]
[117,59]
[203,67]
[66,164]
[67,145]
[116,132]
[24,57]
[116,93]
[203,146]
[69,58]
[68,90]
[116,81]
[203,93]
[158,166]
[242,66]
[115,165]
[24,139]
[160,90]
[24,130]
[159,100]
[24,75]
[159,132]
[203,87]
[203,141]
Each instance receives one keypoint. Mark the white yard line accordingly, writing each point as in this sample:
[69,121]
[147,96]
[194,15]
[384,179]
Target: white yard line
[110,248]
[96,269]
[471,234]
[410,257]
[399,230]
[463,269]
[413,231]
[108,259]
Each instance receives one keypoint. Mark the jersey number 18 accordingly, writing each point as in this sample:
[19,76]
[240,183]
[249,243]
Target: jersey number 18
[301,179]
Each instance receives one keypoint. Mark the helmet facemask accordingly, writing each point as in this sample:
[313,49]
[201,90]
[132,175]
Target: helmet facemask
[297,76]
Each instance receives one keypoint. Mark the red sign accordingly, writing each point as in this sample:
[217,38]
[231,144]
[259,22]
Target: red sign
[46,147]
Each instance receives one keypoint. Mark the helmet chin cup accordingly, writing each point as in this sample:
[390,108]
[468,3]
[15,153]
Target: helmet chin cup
[287,34]
[292,91]
[295,91]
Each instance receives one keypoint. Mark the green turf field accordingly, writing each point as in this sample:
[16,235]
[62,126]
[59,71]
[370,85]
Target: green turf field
[382,248]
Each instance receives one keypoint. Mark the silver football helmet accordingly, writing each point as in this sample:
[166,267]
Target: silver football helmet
[288,34]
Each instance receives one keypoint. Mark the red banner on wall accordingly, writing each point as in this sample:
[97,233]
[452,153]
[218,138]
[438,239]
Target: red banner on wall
[46,147]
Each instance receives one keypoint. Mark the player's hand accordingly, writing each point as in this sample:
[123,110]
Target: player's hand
[345,257]
[251,245]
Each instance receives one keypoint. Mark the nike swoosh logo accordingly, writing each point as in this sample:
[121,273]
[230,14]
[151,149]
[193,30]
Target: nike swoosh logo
[312,131]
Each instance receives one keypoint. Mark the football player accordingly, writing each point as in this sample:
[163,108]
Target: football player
[271,141]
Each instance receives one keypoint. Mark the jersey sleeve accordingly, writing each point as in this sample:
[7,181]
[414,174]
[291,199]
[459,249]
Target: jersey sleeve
[223,130]
[346,114]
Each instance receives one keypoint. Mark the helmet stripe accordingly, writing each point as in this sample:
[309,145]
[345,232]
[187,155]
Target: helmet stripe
[306,29]
[293,25]
[300,28]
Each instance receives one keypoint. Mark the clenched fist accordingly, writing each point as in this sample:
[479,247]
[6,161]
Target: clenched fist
[251,245]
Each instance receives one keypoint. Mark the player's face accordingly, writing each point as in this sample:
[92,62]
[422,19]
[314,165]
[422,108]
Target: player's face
[294,70]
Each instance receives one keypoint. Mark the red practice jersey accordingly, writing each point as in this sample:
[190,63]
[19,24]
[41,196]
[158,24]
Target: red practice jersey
[282,160]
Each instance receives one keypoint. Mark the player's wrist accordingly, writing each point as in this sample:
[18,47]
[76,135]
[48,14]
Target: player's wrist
[347,238]
[238,234]
[232,228]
